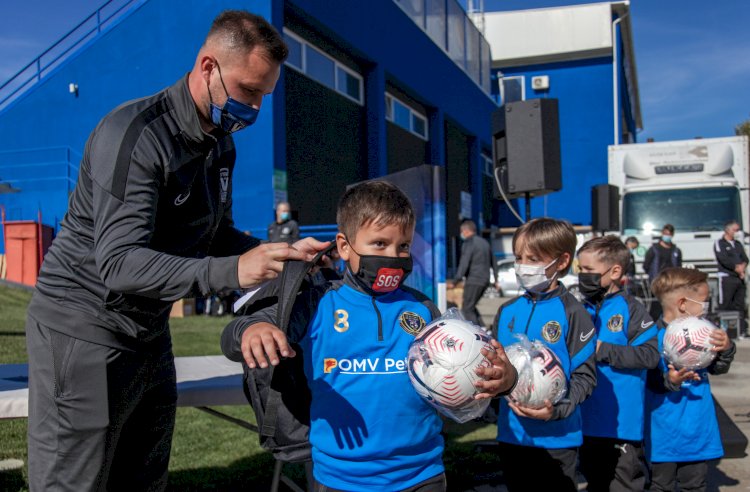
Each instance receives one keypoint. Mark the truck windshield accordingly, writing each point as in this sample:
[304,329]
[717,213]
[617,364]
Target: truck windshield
[704,209]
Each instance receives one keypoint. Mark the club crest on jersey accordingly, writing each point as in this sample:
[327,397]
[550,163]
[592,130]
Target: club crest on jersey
[224,182]
[341,320]
[329,365]
[412,323]
[551,331]
[388,279]
[615,323]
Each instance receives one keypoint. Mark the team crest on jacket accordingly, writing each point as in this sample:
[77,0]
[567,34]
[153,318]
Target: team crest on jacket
[412,323]
[615,323]
[551,331]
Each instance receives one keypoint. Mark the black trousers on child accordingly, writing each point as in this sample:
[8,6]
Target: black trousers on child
[613,465]
[690,475]
[526,468]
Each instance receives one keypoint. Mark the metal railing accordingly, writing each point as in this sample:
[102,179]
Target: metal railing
[87,29]
[30,169]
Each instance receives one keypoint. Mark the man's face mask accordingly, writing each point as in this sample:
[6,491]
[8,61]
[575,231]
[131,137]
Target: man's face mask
[381,274]
[234,115]
[533,278]
[284,215]
[590,285]
[666,239]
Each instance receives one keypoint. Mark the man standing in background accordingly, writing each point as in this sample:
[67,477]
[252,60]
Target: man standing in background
[732,260]
[474,267]
[284,229]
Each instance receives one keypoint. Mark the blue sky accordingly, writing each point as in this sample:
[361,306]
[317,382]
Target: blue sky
[693,56]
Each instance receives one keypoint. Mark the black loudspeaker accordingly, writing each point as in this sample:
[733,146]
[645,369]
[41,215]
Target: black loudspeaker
[605,208]
[526,141]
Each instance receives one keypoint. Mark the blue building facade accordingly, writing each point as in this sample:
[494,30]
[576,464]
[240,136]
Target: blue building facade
[583,56]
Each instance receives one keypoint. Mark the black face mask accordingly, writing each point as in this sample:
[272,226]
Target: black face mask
[590,285]
[381,274]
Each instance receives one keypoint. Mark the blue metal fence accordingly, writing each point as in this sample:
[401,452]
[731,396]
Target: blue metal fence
[42,65]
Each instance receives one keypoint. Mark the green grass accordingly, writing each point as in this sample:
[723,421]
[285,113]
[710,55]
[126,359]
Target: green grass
[209,453]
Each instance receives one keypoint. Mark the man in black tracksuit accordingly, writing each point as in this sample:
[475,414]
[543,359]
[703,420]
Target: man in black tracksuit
[475,265]
[150,222]
[732,263]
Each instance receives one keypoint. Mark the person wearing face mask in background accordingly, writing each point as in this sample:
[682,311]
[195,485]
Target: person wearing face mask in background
[540,446]
[663,254]
[732,263]
[392,435]
[475,267]
[283,229]
[681,429]
[149,222]
[630,282]
[626,347]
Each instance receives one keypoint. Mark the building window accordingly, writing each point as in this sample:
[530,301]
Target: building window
[487,166]
[512,89]
[409,119]
[321,67]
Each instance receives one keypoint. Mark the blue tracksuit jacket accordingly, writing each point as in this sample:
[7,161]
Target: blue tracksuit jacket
[681,420]
[628,349]
[369,429]
[563,324]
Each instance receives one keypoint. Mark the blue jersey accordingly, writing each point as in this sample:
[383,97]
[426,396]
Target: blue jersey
[681,425]
[557,319]
[628,349]
[368,426]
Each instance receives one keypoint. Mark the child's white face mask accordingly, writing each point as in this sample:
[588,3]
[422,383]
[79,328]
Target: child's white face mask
[533,278]
[703,305]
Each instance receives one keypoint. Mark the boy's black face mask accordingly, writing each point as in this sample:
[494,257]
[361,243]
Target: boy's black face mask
[590,285]
[381,274]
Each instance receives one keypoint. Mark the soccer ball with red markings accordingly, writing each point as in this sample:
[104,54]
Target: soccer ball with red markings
[441,364]
[540,374]
[687,343]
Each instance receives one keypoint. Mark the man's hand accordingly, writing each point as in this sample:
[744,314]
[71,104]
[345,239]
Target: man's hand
[720,341]
[499,378]
[310,246]
[679,377]
[450,284]
[265,262]
[544,413]
[262,343]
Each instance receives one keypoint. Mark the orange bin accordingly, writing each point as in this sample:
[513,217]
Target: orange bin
[26,242]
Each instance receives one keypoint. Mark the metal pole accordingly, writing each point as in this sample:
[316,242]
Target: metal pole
[528,206]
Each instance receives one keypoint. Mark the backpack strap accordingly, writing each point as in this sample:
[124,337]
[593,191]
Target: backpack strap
[291,279]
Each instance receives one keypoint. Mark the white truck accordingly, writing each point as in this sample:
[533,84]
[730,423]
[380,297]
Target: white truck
[696,185]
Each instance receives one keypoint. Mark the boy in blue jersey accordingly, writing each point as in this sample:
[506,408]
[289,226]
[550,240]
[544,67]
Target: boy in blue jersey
[538,447]
[626,347]
[369,429]
[682,432]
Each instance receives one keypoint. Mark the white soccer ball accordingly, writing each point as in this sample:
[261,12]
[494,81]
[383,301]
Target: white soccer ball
[540,375]
[687,343]
[442,360]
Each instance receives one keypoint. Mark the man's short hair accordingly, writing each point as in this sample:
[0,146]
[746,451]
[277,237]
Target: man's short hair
[547,237]
[730,223]
[239,30]
[632,239]
[373,202]
[677,278]
[669,228]
[469,225]
[608,249]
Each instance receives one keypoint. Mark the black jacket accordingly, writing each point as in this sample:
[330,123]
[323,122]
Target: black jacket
[476,261]
[287,231]
[149,222]
[729,255]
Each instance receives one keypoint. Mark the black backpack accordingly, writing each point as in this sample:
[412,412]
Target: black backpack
[279,395]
